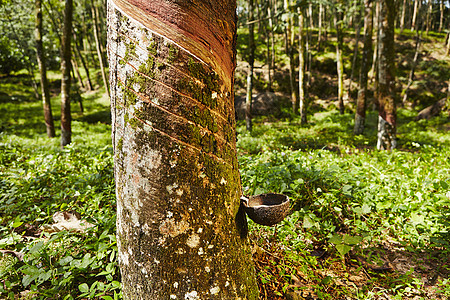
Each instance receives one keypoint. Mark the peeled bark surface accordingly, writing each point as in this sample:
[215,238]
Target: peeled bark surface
[180,232]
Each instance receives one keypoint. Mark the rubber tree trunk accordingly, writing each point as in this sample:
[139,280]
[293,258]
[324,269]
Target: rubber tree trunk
[251,61]
[301,69]
[83,63]
[180,229]
[339,61]
[403,15]
[290,39]
[386,78]
[46,104]
[98,45]
[66,53]
[361,102]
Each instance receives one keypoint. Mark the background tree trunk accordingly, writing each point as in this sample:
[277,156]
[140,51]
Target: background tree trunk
[48,116]
[180,229]
[301,69]
[339,62]
[361,101]
[386,78]
[98,45]
[290,40]
[66,54]
[251,61]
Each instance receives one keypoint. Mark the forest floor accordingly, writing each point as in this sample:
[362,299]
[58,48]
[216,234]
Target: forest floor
[365,224]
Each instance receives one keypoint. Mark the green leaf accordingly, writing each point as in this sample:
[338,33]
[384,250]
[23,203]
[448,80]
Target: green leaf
[343,249]
[351,240]
[84,288]
[307,222]
[37,247]
[335,239]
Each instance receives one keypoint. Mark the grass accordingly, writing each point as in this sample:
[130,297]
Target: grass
[365,224]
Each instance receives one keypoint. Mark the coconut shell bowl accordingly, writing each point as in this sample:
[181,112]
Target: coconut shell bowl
[266,209]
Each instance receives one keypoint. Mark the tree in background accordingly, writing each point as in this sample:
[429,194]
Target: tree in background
[251,62]
[339,61]
[301,68]
[387,117]
[361,101]
[179,233]
[48,116]
[66,54]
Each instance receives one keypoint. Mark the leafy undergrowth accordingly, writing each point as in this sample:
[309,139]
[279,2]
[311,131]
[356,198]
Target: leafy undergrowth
[364,224]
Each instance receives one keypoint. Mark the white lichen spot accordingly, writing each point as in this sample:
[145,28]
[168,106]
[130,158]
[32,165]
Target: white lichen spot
[170,188]
[193,240]
[214,95]
[156,261]
[123,257]
[181,251]
[227,283]
[189,209]
[200,251]
[172,296]
[191,295]
[175,284]
[169,214]
[207,269]
[173,228]
[200,230]
[144,271]
[210,246]
[209,222]
[223,181]
[173,163]
[214,290]
[179,192]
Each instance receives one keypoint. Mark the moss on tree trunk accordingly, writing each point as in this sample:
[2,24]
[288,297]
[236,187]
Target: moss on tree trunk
[177,177]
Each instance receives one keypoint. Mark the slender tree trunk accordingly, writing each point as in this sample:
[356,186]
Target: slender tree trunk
[429,15]
[339,62]
[66,53]
[48,117]
[413,68]
[77,72]
[415,16]
[301,69]
[441,16]
[402,18]
[180,226]
[83,63]
[98,45]
[251,60]
[361,101]
[386,78]
[373,75]
[270,46]
[319,36]
[290,39]
[355,57]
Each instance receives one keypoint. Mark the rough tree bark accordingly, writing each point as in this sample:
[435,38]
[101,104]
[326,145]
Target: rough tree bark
[66,54]
[45,91]
[361,101]
[251,61]
[180,232]
[387,117]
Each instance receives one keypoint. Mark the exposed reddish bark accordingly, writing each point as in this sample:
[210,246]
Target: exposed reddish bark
[205,31]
